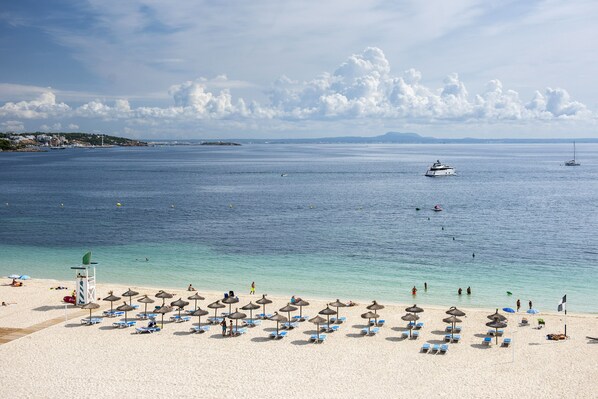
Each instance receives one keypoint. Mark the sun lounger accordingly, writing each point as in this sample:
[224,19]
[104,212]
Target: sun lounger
[198,329]
[425,347]
[179,319]
[372,331]
[252,323]
[444,348]
[147,330]
[414,334]
[239,331]
[89,322]
[145,316]
[456,338]
[447,338]
[263,316]
[419,325]
[113,313]
[280,335]
[215,320]
[123,324]
[450,328]
[326,327]
[494,332]
[487,341]
[405,334]
[290,326]
[314,338]
[339,320]
[300,318]
[435,348]
[506,342]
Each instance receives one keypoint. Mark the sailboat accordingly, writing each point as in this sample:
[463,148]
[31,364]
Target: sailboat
[572,162]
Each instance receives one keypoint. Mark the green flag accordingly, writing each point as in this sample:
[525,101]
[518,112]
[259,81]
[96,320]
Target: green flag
[87,258]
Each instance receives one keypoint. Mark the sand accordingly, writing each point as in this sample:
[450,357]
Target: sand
[67,359]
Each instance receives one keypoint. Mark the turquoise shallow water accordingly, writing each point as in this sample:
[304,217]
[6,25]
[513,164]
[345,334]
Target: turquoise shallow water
[342,223]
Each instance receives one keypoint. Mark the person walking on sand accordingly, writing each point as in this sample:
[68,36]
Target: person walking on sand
[518,305]
[252,290]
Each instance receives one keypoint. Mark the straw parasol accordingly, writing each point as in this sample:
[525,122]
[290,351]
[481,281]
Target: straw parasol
[317,321]
[301,303]
[199,312]
[196,297]
[278,318]
[164,296]
[163,310]
[375,306]
[179,303]
[414,309]
[251,307]
[145,300]
[111,298]
[229,301]
[411,317]
[453,320]
[288,308]
[369,316]
[263,301]
[216,305]
[91,306]
[497,315]
[236,316]
[337,304]
[125,307]
[496,324]
[130,293]
[453,311]
[327,312]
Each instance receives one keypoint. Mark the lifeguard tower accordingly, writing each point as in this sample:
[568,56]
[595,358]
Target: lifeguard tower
[85,281]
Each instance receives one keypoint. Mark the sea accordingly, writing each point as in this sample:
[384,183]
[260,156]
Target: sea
[353,221]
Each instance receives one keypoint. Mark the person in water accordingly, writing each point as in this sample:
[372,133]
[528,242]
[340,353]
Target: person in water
[518,305]
[413,290]
[530,303]
[190,288]
[468,290]
[425,286]
[459,291]
[252,290]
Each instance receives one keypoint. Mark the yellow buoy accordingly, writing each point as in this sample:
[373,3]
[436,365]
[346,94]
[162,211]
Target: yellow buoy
[118,204]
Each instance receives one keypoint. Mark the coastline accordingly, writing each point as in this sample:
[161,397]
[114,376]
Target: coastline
[69,359]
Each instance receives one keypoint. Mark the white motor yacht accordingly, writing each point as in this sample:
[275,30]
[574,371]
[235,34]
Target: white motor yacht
[440,169]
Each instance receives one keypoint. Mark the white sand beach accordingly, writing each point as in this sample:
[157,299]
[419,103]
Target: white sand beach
[67,359]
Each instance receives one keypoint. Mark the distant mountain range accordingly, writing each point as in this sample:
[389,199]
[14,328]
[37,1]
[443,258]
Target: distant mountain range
[388,138]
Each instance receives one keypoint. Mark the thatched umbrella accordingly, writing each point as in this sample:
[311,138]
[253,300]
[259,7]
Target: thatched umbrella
[375,306]
[111,298]
[327,312]
[263,301]
[125,307]
[278,318]
[301,303]
[216,305]
[337,304]
[453,311]
[196,297]
[90,306]
[497,315]
[179,303]
[414,309]
[496,324]
[229,301]
[453,320]
[236,316]
[369,316]
[145,300]
[317,321]
[164,296]
[288,308]
[251,307]
[163,310]
[199,312]
[411,317]
[130,293]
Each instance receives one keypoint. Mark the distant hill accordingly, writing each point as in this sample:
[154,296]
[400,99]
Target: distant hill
[37,141]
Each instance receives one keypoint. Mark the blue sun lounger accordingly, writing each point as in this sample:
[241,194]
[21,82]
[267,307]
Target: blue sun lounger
[290,326]
[252,323]
[215,320]
[314,338]
[123,324]
[506,342]
[414,334]
[487,341]
[339,320]
[450,328]
[405,334]
[425,347]
[89,322]
[113,313]
[280,335]
[435,348]
[327,328]
[179,319]
[263,315]
[147,330]
[300,318]
[239,331]
[494,332]
[373,331]
[378,323]
[443,348]
[198,329]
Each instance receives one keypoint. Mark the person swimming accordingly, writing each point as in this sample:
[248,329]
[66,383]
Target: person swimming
[413,290]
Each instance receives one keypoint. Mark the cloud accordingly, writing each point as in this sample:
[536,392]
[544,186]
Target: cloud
[362,87]
[12,126]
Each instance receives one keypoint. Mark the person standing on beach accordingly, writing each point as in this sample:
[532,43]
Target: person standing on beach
[252,290]
[223,324]
[518,305]
[230,328]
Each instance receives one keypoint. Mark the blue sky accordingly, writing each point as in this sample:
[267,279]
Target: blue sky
[209,69]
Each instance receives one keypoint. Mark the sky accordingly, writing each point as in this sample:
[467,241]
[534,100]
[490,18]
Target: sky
[270,69]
